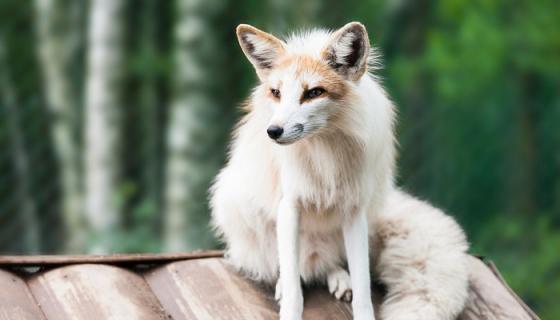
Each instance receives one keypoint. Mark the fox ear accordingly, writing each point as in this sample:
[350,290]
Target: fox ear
[348,50]
[261,48]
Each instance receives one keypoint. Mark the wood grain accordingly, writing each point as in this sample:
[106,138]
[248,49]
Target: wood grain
[193,286]
[95,292]
[16,302]
[490,298]
[499,277]
[206,289]
[210,289]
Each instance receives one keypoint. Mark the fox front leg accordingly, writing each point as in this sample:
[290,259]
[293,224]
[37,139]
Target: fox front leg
[356,242]
[287,229]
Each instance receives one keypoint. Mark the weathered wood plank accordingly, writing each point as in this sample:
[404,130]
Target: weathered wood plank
[214,291]
[205,289]
[94,292]
[320,304]
[490,298]
[209,289]
[195,289]
[116,259]
[498,276]
[16,302]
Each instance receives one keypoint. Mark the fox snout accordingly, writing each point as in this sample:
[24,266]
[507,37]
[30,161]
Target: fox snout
[287,134]
[274,132]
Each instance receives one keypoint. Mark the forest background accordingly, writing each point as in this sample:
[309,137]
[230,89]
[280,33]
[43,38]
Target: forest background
[115,116]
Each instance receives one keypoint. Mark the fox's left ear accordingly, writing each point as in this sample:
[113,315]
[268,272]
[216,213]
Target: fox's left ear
[348,50]
[261,48]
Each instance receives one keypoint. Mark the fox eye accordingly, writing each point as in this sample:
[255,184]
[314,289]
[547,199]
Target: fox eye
[275,93]
[313,93]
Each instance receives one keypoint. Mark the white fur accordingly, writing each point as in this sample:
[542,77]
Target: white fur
[304,209]
[357,253]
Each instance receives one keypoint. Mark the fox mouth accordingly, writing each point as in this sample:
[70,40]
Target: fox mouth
[286,142]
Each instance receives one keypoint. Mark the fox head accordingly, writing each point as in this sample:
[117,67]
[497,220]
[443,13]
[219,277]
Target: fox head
[307,80]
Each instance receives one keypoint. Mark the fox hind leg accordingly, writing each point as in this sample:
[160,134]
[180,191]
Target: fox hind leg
[340,285]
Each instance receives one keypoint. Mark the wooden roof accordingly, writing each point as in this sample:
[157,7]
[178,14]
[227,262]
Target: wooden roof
[187,286]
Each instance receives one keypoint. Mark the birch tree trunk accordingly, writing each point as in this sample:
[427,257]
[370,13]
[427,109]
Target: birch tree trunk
[103,118]
[191,160]
[151,108]
[20,159]
[59,35]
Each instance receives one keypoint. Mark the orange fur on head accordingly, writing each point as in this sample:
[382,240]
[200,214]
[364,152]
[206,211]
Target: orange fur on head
[335,85]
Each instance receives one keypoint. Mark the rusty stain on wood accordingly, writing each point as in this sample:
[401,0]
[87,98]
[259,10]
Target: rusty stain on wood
[191,286]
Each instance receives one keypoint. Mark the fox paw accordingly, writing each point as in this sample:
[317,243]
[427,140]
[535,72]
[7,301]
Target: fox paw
[340,285]
[291,305]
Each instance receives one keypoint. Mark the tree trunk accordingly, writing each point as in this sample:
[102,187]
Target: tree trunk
[191,158]
[150,105]
[59,35]
[103,118]
[523,178]
[20,159]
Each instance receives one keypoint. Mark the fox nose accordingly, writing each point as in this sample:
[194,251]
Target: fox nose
[274,132]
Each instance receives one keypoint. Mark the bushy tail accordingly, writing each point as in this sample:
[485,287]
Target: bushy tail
[421,258]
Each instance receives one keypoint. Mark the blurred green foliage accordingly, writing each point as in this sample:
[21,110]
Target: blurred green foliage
[476,82]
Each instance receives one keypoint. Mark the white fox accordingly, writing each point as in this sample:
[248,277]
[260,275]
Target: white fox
[308,191]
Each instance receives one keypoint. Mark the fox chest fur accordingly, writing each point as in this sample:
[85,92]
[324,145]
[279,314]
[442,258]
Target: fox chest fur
[323,177]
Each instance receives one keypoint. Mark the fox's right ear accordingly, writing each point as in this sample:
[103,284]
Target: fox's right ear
[348,51]
[261,48]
